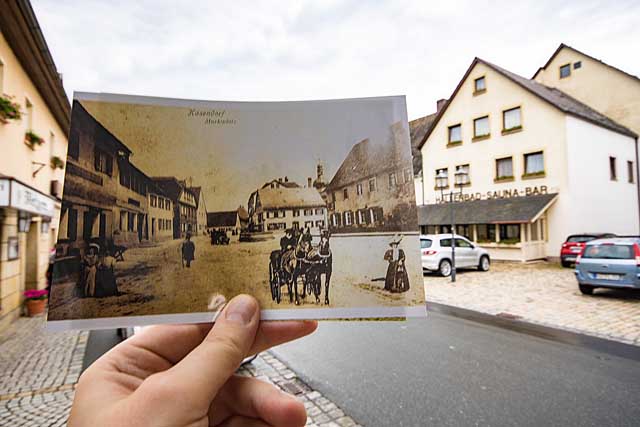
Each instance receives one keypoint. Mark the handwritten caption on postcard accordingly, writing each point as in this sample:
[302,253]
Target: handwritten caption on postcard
[212,117]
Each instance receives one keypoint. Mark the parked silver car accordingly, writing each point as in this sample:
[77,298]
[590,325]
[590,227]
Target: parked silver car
[436,254]
[609,263]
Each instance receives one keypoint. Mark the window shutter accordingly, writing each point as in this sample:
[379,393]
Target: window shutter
[367,216]
[378,214]
[72,228]
[109,165]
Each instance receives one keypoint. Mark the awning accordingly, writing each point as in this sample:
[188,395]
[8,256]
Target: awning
[493,211]
[16,195]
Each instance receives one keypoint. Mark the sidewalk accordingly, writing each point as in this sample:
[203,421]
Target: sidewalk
[39,370]
[38,373]
[542,293]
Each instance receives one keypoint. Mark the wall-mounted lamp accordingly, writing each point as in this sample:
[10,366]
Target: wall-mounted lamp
[24,222]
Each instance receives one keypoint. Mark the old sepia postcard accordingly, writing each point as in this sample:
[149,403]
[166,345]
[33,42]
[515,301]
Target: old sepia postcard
[172,207]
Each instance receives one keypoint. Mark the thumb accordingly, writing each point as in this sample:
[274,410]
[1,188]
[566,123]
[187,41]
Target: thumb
[202,373]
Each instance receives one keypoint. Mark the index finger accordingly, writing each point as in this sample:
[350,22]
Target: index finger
[174,342]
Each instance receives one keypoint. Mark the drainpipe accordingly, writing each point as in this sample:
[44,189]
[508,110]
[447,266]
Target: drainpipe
[638,183]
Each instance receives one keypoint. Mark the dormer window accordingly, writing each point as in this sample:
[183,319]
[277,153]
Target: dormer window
[565,71]
[480,86]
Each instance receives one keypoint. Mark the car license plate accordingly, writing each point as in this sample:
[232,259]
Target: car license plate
[576,249]
[607,276]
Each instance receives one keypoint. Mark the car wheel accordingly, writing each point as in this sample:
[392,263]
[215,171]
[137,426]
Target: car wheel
[585,289]
[565,264]
[445,268]
[484,263]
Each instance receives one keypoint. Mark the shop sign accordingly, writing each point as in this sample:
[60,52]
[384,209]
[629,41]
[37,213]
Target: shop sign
[18,196]
[498,194]
[4,192]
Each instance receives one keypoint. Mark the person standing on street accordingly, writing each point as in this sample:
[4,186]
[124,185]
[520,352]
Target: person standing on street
[90,269]
[397,279]
[188,250]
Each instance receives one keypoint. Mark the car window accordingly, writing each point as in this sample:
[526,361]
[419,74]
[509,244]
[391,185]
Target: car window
[580,239]
[460,243]
[445,243]
[609,252]
[425,243]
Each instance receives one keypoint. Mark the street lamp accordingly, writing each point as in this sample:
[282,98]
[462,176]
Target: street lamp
[461,178]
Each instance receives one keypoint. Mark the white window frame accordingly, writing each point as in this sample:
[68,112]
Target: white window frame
[393,180]
[483,135]
[375,184]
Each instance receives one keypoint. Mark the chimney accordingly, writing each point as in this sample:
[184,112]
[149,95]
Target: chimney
[280,179]
[286,179]
[309,182]
[439,104]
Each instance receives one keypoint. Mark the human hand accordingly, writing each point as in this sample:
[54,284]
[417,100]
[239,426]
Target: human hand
[183,375]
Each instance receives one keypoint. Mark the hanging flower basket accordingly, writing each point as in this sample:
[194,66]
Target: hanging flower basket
[9,110]
[57,163]
[36,301]
[33,140]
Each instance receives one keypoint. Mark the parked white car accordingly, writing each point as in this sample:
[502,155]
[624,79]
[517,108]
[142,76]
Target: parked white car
[436,254]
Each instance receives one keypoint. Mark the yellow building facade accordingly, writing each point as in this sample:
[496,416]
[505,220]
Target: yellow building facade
[34,147]
[582,76]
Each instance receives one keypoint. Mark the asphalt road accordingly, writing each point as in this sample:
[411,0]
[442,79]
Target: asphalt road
[447,371]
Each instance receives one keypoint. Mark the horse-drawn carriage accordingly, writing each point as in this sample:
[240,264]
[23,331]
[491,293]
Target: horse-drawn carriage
[303,263]
[219,237]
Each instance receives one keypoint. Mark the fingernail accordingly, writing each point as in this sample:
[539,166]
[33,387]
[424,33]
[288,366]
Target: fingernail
[241,309]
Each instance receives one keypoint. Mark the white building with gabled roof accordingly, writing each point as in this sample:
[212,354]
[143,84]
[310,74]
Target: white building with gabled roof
[280,208]
[542,165]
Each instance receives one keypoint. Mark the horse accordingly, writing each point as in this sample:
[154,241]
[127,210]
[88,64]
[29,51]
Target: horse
[312,263]
[325,266]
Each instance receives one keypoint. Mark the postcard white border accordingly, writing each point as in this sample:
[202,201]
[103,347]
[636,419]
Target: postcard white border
[274,314]
[194,103]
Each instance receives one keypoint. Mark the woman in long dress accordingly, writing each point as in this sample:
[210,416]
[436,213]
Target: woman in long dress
[397,279]
[106,276]
[89,270]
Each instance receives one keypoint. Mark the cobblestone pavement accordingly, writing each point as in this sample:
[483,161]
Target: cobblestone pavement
[38,373]
[39,370]
[321,411]
[542,293]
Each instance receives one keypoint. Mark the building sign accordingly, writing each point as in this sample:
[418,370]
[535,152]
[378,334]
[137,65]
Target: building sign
[18,196]
[497,194]
[4,192]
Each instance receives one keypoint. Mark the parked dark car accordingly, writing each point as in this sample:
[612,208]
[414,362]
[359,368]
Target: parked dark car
[574,244]
[609,263]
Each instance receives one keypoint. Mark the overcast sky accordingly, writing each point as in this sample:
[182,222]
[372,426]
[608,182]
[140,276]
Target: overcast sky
[293,50]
